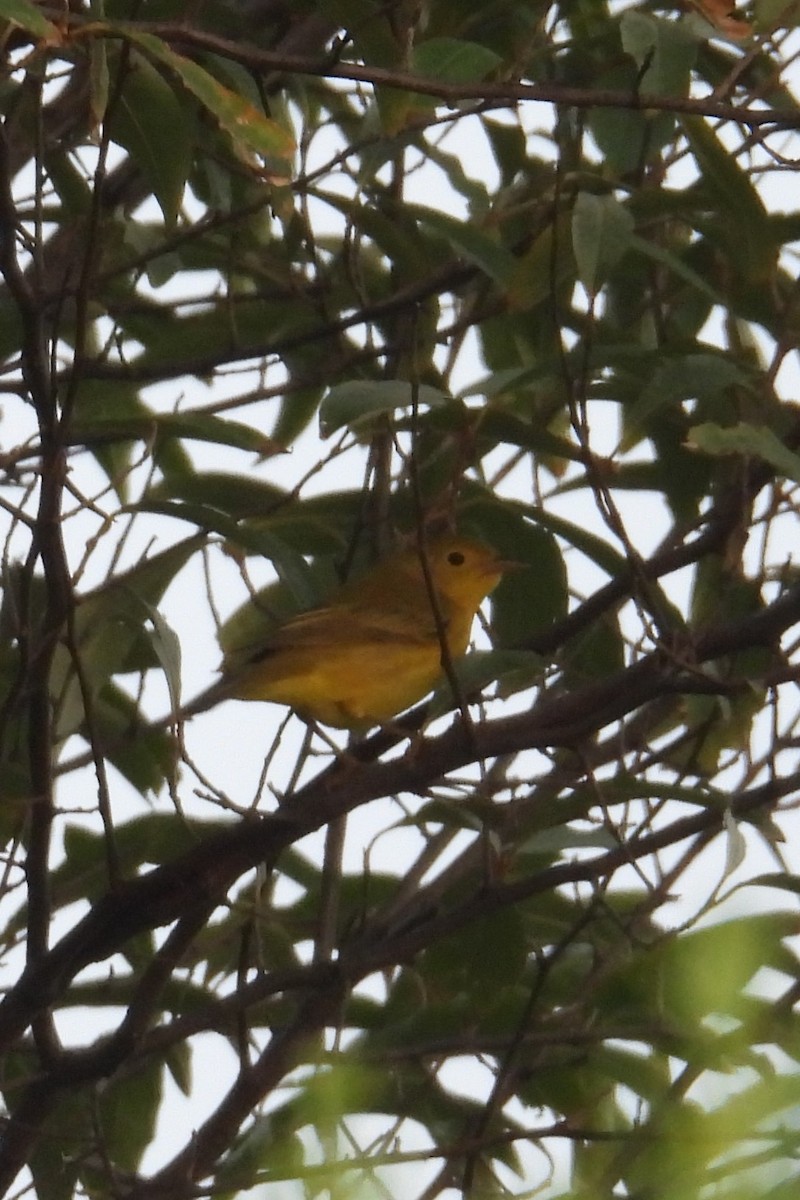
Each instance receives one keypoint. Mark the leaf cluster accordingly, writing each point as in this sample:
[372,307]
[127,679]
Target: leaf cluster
[281,286]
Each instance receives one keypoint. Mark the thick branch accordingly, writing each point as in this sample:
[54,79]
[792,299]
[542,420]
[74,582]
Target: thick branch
[511,91]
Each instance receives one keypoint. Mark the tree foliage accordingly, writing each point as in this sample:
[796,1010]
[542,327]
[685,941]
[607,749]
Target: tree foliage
[281,284]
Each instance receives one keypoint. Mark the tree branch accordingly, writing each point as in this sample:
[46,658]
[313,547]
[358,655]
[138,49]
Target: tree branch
[509,91]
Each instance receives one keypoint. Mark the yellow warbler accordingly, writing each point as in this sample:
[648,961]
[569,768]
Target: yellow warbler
[373,650]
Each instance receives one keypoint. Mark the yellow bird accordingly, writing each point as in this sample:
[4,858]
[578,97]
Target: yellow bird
[374,648]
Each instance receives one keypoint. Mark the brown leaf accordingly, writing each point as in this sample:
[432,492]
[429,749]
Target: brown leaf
[720,14]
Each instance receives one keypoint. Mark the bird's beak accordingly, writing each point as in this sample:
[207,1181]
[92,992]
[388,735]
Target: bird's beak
[508,565]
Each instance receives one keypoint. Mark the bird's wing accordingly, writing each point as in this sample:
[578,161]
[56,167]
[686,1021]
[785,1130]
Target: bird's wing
[341,626]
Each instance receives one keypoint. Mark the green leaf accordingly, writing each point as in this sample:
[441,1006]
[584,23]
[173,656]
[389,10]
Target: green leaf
[24,14]
[509,147]
[770,13]
[111,638]
[148,581]
[167,648]
[197,426]
[104,649]
[601,232]
[499,426]
[264,1149]
[54,1160]
[355,402]
[318,525]
[297,411]
[98,79]
[254,620]
[178,1061]
[743,217]
[391,228]
[479,960]
[216,330]
[666,51]
[204,516]
[785,883]
[545,270]
[470,242]
[128,1111]
[453,61]
[143,755]
[667,259]
[154,127]
[533,595]
[627,137]
[95,404]
[248,128]
[596,652]
[149,840]
[235,495]
[705,970]
[735,844]
[594,547]
[752,441]
[731,186]
[676,380]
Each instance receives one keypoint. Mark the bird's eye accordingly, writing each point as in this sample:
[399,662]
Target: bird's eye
[455,558]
